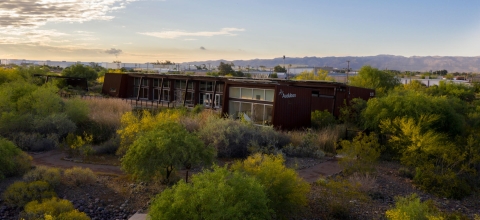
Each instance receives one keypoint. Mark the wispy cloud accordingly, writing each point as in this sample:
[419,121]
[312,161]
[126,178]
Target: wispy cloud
[20,20]
[177,34]
[203,48]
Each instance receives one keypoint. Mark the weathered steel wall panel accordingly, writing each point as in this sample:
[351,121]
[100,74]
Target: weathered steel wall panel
[292,107]
[115,85]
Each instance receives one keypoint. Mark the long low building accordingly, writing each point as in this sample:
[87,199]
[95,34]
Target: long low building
[285,104]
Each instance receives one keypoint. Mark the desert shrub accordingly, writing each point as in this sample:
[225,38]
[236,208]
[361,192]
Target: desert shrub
[366,182]
[108,147]
[406,172]
[322,119]
[217,194]
[12,160]
[77,146]
[267,140]
[411,207]
[35,141]
[190,123]
[72,215]
[361,154]
[337,198]
[77,110]
[78,176]
[58,124]
[229,137]
[285,189]
[50,175]
[328,138]
[197,109]
[20,193]
[303,144]
[53,207]
[441,166]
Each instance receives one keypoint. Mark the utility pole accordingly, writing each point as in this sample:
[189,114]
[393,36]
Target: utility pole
[348,68]
[286,74]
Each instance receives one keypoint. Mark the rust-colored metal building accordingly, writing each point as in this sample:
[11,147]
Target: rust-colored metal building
[285,104]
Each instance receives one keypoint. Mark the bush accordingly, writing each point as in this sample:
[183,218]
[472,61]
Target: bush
[77,110]
[303,144]
[50,175]
[361,154]
[285,189]
[12,160]
[410,207]
[52,207]
[322,119]
[78,176]
[35,141]
[337,198]
[73,215]
[217,194]
[236,139]
[108,147]
[78,146]
[20,193]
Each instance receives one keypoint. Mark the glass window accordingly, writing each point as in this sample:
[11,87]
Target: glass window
[233,109]
[203,86]
[135,92]
[144,82]
[246,93]
[166,95]
[259,94]
[269,95]
[234,92]
[258,113]
[190,85]
[166,83]
[136,81]
[220,87]
[218,100]
[268,115]
[210,86]
[246,110]
[156,82]
[156,93]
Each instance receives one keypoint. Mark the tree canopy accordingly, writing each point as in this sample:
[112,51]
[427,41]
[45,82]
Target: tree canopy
[279,69]
[218,194]
[225,68]
[166,147]
[369,77]
[322,75]
[80,70]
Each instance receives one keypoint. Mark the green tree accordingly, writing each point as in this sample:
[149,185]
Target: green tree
[285,189]
[410,207]
[166,147]
[369,77]
[80,70]
[322,75]
[218,194]
[12,160]
[279,69]
[225,69]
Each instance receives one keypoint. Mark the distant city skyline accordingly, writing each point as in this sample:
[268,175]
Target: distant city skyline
[187,31]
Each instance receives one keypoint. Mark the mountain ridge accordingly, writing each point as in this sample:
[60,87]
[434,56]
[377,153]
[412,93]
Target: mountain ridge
[383,61]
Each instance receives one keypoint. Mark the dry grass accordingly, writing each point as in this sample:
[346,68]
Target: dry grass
[329,136]
[107,111]
[366,182]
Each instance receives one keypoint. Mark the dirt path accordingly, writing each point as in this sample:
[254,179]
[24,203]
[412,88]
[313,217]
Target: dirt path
[54,159]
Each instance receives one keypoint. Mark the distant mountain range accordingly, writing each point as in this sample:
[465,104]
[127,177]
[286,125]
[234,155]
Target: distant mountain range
[391,62]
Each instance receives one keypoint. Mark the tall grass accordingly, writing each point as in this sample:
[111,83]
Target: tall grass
[107,111]
[313,142]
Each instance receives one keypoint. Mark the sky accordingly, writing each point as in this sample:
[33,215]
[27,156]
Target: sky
[184,31]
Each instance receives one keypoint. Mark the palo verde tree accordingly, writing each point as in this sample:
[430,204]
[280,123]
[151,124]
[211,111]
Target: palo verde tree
[168,146]
[218,194]
[285,189]
[373,78]
[80,70]
[322,75]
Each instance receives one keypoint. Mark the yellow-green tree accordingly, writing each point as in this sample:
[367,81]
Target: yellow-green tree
[285,189]
[322,75]
[168,146]
[369,77]
[217,194]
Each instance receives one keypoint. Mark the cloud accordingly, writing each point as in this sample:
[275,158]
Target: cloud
[113,51]
[177,34]
[202,48]
[36,13]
